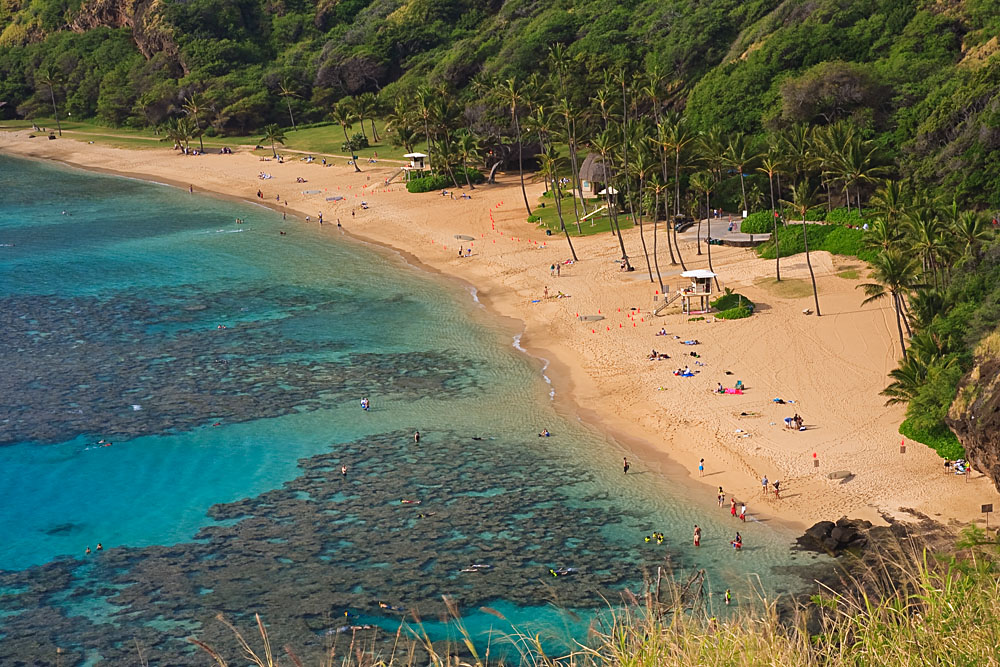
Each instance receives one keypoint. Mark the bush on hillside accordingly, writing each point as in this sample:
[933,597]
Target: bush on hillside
[735,313]
[760,222]
[832,238]
[844,216]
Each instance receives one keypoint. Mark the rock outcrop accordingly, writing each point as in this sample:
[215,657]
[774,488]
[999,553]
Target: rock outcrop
[974,415]
[836,537]
[151,33]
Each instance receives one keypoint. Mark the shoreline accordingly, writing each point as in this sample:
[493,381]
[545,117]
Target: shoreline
[596,377]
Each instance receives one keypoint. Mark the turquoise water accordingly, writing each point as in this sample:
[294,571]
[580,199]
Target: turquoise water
[225,364]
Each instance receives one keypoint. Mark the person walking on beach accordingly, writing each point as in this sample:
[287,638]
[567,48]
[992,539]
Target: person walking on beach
[558,270]
[546,292]
[701,467]
[763,484]
[191,189]
[732,507]
[721,497]
[626,465]
[743,512]
[697,536]
[552,270]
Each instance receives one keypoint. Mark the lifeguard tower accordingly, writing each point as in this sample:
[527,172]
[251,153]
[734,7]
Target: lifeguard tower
[416,166]
[700,289]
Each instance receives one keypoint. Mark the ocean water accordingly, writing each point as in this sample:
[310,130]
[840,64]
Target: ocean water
[184,390]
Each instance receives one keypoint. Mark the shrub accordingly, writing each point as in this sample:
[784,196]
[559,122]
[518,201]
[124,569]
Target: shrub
[735,313]
[428,183]
[357,142]
[939,438]
[758,223]
[843,216]
[731,300]
[534,218]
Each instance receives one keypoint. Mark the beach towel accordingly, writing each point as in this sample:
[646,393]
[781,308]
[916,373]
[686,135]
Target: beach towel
[687,375]
[733,391]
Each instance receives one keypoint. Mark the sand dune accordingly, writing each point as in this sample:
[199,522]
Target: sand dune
[832,367]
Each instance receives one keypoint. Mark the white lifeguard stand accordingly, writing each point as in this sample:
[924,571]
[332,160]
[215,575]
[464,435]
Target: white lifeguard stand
[700,289]
[416,166]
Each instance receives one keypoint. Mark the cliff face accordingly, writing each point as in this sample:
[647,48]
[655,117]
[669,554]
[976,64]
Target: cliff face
[974,416]
[149,30]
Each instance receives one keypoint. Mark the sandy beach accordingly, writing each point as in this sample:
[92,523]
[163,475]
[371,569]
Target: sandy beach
[832,367]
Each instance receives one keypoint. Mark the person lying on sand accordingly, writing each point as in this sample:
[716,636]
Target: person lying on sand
[663,332]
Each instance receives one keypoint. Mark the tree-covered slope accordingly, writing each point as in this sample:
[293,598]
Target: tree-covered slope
[922,78]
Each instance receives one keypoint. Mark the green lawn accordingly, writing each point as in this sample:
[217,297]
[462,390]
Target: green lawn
[595,224]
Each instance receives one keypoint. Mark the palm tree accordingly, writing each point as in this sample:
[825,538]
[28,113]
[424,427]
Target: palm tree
[855,164]
[796,144]
[894,274]
[369,102]
[804,197]
[712,149]
[513,96]
[770,166]
[343,115]
[605,144]
[288,94]
[740,154]
[881,236]
[194,106]
[642,167]
[273,134]
[468,151]
[551,163]
[564,109]
[425,103]
[972,230]
[890,200]
[926,236]
[179,131]
[51,78]
[655,187]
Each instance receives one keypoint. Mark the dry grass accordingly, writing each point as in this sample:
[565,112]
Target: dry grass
[787,288]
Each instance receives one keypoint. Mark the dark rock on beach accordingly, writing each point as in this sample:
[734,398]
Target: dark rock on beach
[974,415]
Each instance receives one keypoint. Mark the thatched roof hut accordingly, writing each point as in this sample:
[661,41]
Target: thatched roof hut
[593,173]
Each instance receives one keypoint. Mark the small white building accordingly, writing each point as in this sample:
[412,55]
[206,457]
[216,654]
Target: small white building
[700,289]
[416,167]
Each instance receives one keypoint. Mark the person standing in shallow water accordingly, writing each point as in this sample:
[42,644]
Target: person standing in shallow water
[416,437]
[626,464]
[697,535]
[343,470]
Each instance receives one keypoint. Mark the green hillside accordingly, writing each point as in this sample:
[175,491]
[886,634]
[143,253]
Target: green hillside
[920,78]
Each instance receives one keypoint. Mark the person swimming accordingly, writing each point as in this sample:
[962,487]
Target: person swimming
[544,434]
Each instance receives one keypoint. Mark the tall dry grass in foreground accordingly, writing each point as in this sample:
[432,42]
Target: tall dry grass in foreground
[905,606]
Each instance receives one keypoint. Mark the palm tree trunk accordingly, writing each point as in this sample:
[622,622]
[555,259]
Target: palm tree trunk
[677,245]
[812,276]
[698,236]
[899,326]
[520,166]
[656,261]
[374,131]
[708,209]
[290,116]
[363,132]
[578,190]
[274,151]
[774,221]
[743,187]
[612,212]
[55,109]
[677,183]
[465,169]
[562,225]
[642,237]
[354,158]
[576,212]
